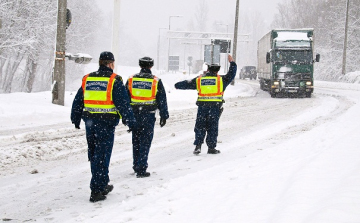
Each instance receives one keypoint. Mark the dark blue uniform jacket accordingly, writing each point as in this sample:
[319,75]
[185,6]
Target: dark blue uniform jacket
[161,102]
[191,84]
[120,98]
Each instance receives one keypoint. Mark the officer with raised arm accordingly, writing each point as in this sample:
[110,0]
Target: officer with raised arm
[210,87]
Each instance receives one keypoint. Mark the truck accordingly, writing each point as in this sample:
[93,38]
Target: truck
[286,62]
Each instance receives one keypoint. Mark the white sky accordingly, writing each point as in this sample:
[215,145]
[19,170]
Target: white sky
[143,18]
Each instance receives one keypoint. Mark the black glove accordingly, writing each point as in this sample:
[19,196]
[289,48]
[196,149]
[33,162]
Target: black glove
[132,128]
[77,126]
[162,122]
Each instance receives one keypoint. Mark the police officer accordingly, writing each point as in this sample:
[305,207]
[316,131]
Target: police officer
[210,87]
[99,102]
[147,94]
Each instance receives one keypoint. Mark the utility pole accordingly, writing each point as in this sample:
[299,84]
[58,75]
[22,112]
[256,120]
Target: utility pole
[58,85]
[235,34]
[345,39]
[116,33]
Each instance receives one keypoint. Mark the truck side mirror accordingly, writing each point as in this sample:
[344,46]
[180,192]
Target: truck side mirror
[267,57]
[317,58]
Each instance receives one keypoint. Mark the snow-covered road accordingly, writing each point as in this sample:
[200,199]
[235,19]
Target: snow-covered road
[282,160]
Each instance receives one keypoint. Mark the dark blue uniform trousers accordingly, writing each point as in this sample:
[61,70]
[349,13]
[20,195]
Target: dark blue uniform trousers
[142,137]
[100,138]
[207,121]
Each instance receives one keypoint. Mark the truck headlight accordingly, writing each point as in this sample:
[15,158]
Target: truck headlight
[308,83]
[276,82]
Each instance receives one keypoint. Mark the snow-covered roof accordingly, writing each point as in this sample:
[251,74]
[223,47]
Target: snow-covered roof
[283,36]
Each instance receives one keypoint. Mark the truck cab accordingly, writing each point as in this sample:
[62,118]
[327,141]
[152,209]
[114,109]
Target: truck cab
[289,62]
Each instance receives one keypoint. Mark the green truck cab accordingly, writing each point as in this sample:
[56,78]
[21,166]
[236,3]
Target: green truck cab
[286,62]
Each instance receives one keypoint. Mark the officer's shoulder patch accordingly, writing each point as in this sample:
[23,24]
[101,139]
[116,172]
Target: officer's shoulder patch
[118,77]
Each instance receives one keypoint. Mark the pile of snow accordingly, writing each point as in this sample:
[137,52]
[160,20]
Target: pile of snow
[352,77]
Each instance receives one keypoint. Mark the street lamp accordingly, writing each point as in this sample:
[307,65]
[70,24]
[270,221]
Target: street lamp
[172,16]
[158,48]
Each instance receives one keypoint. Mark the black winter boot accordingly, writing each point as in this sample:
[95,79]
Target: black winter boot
[108,189]
[95,197]
[142,174]
[213,151]
[197,150]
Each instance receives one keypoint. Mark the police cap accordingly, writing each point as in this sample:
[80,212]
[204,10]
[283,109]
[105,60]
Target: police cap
[214,67]
[146,62]
[107,56]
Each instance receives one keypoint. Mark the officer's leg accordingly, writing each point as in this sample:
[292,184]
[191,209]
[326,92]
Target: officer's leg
[104,138]
[200,126]
[108,143]
[147,135]
[91,140]
[95,155]
[213,127]
[136,148]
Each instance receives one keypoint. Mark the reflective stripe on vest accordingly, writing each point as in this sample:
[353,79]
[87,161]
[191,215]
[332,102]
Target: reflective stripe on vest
[143,90]
[210,88]
[98,94]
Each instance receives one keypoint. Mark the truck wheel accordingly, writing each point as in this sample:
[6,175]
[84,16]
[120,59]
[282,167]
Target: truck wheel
[308,95]
[273,95]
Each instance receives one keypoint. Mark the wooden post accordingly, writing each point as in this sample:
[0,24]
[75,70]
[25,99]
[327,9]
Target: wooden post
[235,34]
[58,85]
[345,39]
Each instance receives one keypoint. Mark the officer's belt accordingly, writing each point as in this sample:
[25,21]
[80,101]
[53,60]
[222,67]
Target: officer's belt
[202,98]
[144,103]
[104,110]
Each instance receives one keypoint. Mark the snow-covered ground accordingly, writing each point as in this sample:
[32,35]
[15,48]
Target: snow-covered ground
[282,160]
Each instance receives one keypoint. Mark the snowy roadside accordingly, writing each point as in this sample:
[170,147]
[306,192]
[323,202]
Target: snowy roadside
[282,160]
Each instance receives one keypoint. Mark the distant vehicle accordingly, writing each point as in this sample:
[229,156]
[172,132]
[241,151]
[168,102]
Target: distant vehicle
[286,62]
[248,72]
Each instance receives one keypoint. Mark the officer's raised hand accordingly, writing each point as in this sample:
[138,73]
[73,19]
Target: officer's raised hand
[230,58]
[162,122]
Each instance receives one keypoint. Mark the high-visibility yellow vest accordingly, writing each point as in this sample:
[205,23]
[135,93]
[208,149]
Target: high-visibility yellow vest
[210,88]
[143,90]
[98,94]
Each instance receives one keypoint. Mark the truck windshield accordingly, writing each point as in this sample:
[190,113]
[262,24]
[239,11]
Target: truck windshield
[292,43]
[293,56]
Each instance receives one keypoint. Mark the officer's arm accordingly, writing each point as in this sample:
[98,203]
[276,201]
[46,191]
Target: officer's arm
[127,89]
[230,75]
[122,103]
[161,101]
[187,84]
[77,107]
